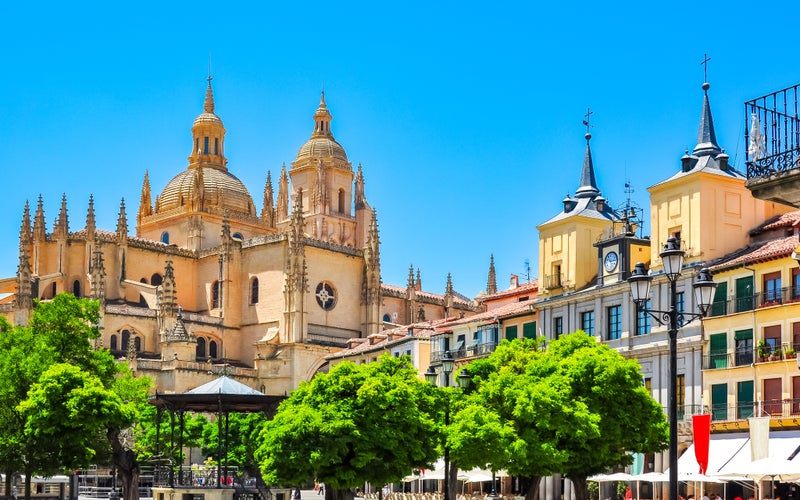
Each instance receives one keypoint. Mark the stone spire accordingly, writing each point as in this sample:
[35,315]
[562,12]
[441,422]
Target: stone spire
[588,188]
[448,289]
[448,295]
[706,137]
[24,284]
[322,120]
[491,281]
[39,227]
[282,206]
[145,202]
[208,136]
[167,293]
[90,220]
[410,282]
[268,208]
[61,227]
[360,201]
[418,285]
[97,275]
[371,285]
[122,224]
[296,277]
[208,105]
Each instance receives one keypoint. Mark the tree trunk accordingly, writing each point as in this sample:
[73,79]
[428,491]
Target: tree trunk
[126,464]
[9,481]
[452,483]
[334,494]
[579,487]
[533,490]
[28,474]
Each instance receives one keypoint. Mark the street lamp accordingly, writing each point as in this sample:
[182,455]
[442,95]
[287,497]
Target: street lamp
[704,286]
[431,376]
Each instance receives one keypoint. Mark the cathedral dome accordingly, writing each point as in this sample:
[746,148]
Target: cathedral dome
[207,118]
[321,147]
[221,191]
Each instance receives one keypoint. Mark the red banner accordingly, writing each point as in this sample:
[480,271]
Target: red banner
[701,426]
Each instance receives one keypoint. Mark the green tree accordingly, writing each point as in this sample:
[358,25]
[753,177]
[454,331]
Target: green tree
[358,423]
[616,414]
[243,431]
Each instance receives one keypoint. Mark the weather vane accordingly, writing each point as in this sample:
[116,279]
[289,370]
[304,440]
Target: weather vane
[705,66]
[587,118]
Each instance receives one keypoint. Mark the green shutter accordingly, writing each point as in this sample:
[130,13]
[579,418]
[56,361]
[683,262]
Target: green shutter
[511,332]
[719,402]
[529,330]
[744,294]
[718,351]
[743,335]
[744,396]
[720,304]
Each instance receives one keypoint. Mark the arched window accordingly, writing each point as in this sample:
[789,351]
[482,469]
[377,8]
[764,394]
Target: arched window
[200,351]
[238,236]
[215,289]
[137,344]
[76,288]
[143,280]
[387,318]
[114,343]
[205,145]
[341,201]
[254,291]
[300,198]
[216,145]
[126,339]
[212,349]
[156,279]
[165,237]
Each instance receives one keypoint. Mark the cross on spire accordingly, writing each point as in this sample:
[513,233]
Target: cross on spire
[705,66]
[587,119]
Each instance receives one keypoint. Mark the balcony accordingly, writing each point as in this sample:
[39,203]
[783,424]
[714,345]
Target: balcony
[772,137]
[746,357]
[477,350]
[554,281]
[777,408]
[743,304]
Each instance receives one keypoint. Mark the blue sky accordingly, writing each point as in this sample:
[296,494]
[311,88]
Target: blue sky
[466,116]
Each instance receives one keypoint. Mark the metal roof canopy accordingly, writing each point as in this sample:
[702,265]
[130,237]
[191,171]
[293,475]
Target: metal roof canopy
[221,395]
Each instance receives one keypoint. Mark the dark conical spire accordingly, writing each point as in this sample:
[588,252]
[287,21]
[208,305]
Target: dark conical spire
[588,186]
[706,138]
[491,281]
[39,228]
[90,220]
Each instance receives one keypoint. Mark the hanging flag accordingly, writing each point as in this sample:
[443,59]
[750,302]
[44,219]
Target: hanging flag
[701,428]
[637,467]
[756,148]
[759,438]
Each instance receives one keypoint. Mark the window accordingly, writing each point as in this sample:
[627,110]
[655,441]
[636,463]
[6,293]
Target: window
[680,395]
[558,327]
[200,350]
[773,396]
[326,295]
[680,306]
[529,330]
[511,332]
[156,279]
[643,319]
[587,322]
[215,293]
[126,339]
[648,384]
[341,201]
[137,344]
[114,345]
[76,288]
[744,347]
[216,145]
[772,336]
[205,145]
[254,291]
[212,349]
[614,322]
[772,287]
[744,294]
[744,396]
[387,318]
[165,238]
[719,402]
[718,351]
[720,305]
[795,283]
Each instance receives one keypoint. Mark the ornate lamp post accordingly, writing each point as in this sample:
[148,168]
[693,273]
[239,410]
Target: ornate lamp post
[704,286]
[432,377]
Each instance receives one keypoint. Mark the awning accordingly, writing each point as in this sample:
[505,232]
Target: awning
[782,445]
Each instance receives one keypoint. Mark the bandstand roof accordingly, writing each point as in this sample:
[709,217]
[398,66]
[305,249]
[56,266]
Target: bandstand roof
[220,395]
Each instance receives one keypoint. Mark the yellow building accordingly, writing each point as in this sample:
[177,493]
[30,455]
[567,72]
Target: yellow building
[211,283]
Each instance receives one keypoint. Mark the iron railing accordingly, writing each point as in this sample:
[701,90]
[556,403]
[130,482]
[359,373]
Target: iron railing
[470,351]
[761,299]
[776,408]
[772,133]
[747,356]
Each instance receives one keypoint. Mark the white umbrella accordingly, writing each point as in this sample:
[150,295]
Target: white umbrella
[770,467]
[605,478]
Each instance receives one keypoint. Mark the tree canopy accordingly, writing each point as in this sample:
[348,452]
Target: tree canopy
[358,423]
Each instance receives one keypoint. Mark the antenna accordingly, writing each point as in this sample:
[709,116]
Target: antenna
[527,271]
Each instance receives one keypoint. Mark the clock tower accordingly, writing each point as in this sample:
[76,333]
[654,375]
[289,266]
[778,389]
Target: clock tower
[619,251]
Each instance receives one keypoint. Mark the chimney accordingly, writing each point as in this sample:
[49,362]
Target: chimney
[514,281]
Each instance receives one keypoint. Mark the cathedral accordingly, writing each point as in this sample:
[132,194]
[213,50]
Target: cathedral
[210,284]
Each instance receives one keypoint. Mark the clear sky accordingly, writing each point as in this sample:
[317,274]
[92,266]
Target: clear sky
[466,116]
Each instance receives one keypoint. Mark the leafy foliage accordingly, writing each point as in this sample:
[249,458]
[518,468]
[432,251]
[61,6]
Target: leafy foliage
[359,423]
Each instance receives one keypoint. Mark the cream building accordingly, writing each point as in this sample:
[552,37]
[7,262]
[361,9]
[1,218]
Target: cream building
[209,282]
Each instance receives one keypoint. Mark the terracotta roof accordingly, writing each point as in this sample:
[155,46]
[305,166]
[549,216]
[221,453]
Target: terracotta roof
[397,291]
[785,220]
[398,335]
[505,311]
[531,286]
[761,251]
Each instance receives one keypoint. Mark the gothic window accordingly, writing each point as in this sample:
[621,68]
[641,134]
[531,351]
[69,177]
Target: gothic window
[197,145]
[212,349]
[137,344]
[421,314]
[126,339]
[156,279]
[215,294]
[76,288]
[165,237]
[200,350]
[386,318]
[114,345]
[300,198]
[205,145]
[254,291]
[216,145]
[326,295]
[341,201]
[238,236]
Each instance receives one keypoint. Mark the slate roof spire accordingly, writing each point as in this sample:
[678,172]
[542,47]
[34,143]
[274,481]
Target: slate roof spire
[706,137]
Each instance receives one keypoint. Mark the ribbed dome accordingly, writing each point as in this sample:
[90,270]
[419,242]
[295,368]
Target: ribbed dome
[321,147]
[233,195]
[207,118]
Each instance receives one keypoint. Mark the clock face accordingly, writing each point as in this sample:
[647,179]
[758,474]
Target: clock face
[610,261]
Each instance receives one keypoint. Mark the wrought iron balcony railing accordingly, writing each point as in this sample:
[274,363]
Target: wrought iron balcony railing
[761,299]
[747,356]
[776,408]
[772,133]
